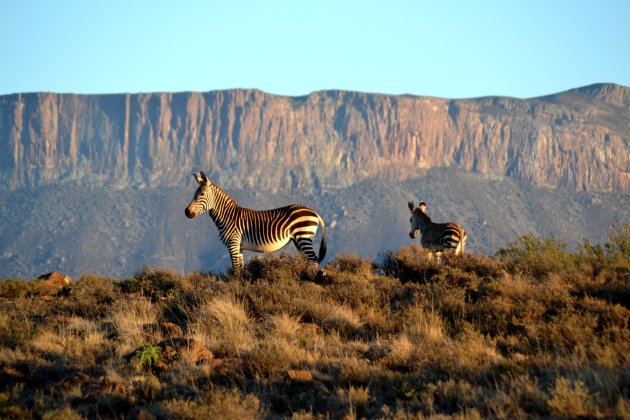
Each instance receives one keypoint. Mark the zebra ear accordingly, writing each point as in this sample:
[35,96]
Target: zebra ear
[422,206]
[411,206]
[203,176]
[198,178]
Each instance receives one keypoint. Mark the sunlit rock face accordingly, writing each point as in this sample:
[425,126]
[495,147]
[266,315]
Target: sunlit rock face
[577,140]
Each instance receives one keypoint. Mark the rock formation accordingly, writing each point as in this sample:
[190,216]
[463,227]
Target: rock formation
[577,139]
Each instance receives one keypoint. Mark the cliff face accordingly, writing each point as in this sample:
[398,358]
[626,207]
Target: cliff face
[249,139]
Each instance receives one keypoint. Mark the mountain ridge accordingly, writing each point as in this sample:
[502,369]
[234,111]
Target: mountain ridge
[327,139]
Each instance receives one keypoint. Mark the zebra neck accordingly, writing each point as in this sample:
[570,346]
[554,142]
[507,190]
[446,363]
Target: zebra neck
[224,208]
[424,222]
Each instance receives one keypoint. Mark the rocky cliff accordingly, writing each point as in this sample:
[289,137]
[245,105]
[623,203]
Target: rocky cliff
[577,139]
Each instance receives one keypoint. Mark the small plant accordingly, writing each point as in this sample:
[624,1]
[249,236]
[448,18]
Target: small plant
[148,356]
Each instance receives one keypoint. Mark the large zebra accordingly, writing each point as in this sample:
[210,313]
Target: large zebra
[435,236]
[261,231]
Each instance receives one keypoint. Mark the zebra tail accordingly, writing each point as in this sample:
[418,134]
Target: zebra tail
[462,243]
[322,245]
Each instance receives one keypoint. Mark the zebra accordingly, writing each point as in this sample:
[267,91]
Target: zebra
[256,230]
[435,236]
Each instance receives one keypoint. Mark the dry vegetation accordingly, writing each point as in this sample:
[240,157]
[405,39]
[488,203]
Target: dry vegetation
[533,331]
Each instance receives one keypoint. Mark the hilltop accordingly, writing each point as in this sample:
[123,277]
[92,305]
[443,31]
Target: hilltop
[537,331]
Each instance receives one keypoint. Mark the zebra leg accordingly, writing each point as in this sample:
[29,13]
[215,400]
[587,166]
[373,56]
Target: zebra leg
[305,246]
[236,256]
[238,262]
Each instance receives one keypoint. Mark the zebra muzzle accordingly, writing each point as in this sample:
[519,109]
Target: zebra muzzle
[189,213]
[413,234]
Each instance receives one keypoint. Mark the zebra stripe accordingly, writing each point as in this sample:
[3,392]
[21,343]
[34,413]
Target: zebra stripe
[256,230]
[435,236]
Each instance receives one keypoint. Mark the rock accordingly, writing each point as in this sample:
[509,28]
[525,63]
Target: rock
[174,348]
[166,329]
[227,365]
[170,330]
[143,414]
[58,320]
[12,372]
[300,375]
[575,139]
[55,280]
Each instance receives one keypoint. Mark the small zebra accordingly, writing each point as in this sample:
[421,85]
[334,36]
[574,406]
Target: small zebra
[435,236]
[261,231]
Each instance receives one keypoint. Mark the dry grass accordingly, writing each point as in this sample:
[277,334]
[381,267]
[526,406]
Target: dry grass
[535,331]
[223,324]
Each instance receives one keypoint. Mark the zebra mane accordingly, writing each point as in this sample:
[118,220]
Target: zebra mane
[421,211]
[222,192]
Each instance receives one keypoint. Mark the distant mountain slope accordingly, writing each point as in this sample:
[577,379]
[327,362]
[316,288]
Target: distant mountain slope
[85,229]
[577,139]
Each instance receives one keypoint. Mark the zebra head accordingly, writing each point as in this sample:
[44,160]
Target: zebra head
[203,199]
[417,216]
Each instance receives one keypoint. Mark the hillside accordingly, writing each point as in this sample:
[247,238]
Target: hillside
[78,229]
[537,332]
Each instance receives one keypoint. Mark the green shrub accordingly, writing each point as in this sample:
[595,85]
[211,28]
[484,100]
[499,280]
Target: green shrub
[618,245]
[91,296]
[154,282]
[536,256]
[614,252]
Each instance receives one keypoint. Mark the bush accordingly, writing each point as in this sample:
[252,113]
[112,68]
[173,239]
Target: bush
[16,329]
[618,245]
[536,256]
[226,326]
[13,289]
[613,253]
[153,282]
[411,263]
[91,296]
[607,267]
[274,268]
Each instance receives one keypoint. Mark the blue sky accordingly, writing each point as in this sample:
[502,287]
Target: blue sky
[451,49]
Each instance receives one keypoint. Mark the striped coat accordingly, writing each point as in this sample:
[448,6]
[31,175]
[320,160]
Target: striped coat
[435,236]
[254,230]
